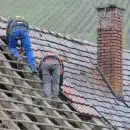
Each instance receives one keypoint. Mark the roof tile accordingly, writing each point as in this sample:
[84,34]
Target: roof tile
[83,86]
[86,110]
[79,103]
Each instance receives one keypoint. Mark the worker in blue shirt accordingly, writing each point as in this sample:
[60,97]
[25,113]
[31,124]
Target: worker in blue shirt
[18,29]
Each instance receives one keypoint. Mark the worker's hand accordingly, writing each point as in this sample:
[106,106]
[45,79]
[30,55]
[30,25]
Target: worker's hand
[34,71]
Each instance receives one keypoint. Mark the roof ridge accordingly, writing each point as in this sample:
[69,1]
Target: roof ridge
[126,50]
[60,35]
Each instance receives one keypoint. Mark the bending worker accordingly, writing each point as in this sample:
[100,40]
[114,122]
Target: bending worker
[50,68]
[18,29]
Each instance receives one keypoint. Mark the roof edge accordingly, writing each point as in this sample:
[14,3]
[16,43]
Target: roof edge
[125,50]
[60,35]
[118,97]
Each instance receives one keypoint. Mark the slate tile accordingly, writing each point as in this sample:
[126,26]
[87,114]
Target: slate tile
[128,125]
[48,37]
[54,39]
[126,84]
[85,54]
[65,43]
[126,67]
[61,40]
[72,71]
[92,56]
[35,47]
[100,109]
[42,43]
[70,66]
[126,72]
[87,95]
[43,35]
[34,34]
[2,32]
[84,90]
[126,110]
[47,48]
[86,109]
[3,25]
[37,61]
[38,54]
[66,74]
[75,46]
[126,62]
[107,116]
[125,77]
[53,45]
[126,55]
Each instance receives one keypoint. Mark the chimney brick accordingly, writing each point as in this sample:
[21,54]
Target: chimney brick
[109,39]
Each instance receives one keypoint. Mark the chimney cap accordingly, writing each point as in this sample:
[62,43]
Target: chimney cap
[109,7]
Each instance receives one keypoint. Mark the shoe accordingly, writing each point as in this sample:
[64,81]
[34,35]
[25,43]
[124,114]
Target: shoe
[55,104]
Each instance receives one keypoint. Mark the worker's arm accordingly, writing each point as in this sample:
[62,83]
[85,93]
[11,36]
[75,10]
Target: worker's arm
[61,74]
[39,69]
[9,23]
[8,28]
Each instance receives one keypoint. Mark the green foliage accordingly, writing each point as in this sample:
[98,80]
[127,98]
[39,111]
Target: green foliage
[75,18]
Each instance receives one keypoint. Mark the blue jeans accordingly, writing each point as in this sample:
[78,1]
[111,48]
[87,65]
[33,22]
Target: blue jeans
[25,41]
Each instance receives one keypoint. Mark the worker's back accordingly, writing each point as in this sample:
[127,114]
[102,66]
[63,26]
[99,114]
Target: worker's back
[18,29]
[50,69]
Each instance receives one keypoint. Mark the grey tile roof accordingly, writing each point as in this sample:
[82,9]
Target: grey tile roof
[22,90]
[126,67]
[81,58]
[82,78]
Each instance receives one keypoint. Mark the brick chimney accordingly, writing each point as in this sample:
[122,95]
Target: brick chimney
[110,48]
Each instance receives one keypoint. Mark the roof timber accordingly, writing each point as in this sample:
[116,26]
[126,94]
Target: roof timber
[12,125]
[29,102]
[50,109]
[38,123]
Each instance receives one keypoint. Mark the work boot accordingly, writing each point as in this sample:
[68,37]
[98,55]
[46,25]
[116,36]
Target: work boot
[54,103]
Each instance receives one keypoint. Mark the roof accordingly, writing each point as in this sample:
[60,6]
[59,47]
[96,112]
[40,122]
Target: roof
[83,86]
[64,16]
[22,105]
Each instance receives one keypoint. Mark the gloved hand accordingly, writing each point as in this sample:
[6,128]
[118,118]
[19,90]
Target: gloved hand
[33,70]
